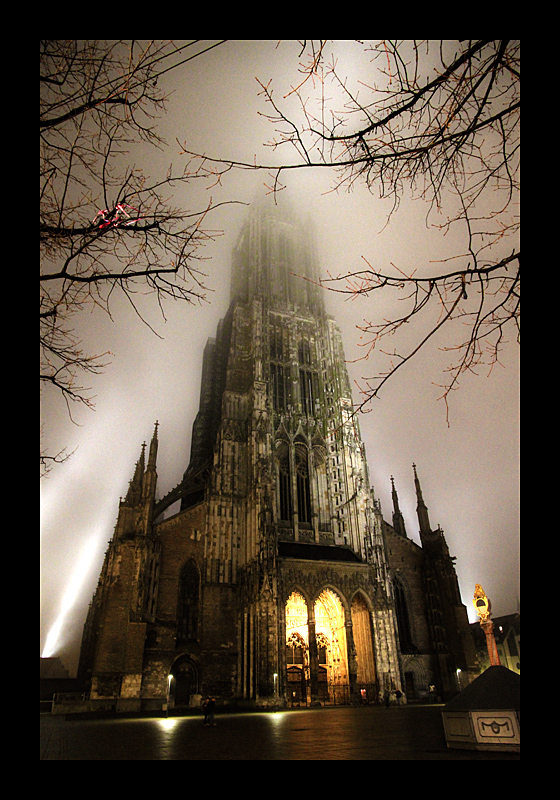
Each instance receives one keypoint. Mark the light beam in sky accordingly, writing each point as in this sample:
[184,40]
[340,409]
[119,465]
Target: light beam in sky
[80,573]
[470,469]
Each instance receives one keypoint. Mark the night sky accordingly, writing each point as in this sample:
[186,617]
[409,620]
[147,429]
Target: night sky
[468,463]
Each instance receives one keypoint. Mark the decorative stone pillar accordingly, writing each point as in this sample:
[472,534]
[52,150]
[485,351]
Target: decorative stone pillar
[313,658]
[488,628]
[483,609]
[351,657]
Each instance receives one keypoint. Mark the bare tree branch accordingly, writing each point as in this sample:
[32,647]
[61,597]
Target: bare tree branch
[436,122]
[104,224]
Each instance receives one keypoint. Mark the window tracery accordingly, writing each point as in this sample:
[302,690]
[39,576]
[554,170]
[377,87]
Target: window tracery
[279,365]
[302,483]
[187,611]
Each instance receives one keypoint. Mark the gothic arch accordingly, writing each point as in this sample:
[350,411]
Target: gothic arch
[416,678]
[365,597]
[295,639]
[330,615]
[184,681]
[330,587]
[282,448]
[319,450]
[402,578]
[296,647]
[297,588]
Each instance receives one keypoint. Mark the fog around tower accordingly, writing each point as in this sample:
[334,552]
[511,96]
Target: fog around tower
[469,469]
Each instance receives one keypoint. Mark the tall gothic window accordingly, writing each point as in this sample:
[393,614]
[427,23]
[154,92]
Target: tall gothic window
[304,352]
[279,369]
[278,382]
[276,342]
[285,491]
[187,611]
[403,619]
[302,499]
[302,483]
[308,379]
[306,391]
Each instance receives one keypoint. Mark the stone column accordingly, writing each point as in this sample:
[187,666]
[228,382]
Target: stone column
[313,658]
[351,656]
[488,628]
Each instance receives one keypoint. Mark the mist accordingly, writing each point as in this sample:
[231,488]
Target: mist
[467,456]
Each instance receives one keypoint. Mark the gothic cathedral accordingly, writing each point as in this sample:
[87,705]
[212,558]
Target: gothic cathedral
[277,582]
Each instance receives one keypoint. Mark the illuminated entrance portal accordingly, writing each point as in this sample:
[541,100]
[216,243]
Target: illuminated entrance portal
[316,650]
[330,632]
[363,642]
[297,649]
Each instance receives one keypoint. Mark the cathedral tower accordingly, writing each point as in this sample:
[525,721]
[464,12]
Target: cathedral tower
[271,584]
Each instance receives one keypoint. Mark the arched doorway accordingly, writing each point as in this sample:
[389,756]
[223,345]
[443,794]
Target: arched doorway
[323,645]
[366,679]
[183,682]
[330,634]
[296,665]
[297,649]
[325,670]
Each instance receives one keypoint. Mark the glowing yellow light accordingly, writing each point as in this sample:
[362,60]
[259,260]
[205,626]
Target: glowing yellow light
[330,630]
[70,596]
[167,724]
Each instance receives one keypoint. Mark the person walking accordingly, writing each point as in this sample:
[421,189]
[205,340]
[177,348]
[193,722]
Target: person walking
[205,710]
[209,711]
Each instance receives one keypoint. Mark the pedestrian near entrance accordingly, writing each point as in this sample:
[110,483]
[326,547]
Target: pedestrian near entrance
[209,708]
[398,695]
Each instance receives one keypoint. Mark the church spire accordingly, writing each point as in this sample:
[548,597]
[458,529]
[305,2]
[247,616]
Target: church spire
[398,519]
[152,458]
[421,508]
[150,476]
[135,484]
[140,464]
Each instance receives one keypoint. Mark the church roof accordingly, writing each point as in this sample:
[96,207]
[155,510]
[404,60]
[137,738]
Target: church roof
[496,688]
[317,552]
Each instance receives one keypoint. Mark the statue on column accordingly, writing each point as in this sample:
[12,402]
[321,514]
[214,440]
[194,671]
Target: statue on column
[483,609]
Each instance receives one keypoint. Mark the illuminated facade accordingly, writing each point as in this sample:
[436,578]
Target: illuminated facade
[273,583]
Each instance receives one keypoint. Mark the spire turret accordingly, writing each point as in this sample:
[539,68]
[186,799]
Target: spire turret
[398,519]
[152,458]
[140,464]
[135,484]
[421,508]
[150,477]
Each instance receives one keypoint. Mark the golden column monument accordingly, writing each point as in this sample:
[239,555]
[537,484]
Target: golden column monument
[483,609]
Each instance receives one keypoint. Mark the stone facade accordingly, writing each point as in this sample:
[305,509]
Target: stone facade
[277,581]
